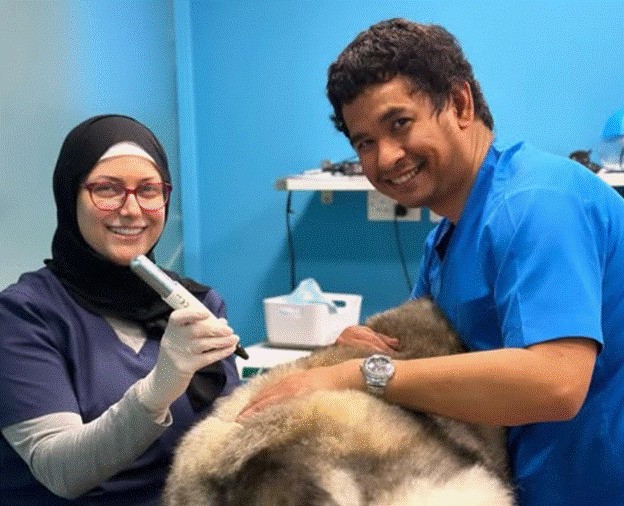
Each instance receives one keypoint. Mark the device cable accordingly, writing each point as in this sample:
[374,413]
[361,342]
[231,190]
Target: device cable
[289,236]
[400,210]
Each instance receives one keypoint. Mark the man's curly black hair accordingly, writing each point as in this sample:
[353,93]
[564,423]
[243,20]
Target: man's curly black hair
[428,55]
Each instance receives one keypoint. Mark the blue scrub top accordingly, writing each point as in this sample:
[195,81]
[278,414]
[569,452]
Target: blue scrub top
[537,255]
[56,356]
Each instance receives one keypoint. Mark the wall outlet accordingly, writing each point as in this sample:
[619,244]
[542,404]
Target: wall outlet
[381,208]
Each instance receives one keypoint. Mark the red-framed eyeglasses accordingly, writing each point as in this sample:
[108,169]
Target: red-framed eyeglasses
[112,195]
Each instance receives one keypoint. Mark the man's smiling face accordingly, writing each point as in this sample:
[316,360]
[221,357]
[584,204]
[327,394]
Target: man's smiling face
[407,150]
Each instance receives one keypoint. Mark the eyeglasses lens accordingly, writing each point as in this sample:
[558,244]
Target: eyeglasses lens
[110,196]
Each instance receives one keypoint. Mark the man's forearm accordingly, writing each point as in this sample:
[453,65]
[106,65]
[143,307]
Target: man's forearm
[508,387]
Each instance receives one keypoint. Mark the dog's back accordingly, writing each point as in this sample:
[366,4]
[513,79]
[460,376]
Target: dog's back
[343,447]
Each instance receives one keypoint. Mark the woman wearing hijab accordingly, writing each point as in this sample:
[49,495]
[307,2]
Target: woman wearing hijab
[98,377]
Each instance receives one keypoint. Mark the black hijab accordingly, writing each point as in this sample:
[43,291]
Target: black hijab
[96,283]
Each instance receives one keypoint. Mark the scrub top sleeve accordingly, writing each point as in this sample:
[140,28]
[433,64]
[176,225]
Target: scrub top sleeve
[548,270]
[34,379]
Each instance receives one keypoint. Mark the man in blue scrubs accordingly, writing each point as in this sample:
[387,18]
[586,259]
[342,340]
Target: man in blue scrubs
[527,264]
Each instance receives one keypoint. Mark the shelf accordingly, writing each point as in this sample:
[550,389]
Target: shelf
[615,179]
[327,183]
[324,182]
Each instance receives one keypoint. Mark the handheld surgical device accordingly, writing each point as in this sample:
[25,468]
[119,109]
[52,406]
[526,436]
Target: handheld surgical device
[172,292]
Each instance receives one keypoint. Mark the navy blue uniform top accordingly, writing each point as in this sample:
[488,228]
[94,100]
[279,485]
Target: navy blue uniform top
[56,356]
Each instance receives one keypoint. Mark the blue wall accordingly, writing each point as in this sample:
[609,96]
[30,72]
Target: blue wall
[257,73]
[126,60]
[61,62]
[235,90]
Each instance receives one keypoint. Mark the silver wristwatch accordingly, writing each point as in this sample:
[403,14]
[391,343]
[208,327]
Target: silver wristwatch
[377,370]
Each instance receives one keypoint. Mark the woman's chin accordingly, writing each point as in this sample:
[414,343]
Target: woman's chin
[123,256]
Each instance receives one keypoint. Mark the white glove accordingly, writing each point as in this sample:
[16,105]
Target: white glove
[193,339]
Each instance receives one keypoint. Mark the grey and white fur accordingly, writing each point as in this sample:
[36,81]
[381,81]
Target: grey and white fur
[344,447]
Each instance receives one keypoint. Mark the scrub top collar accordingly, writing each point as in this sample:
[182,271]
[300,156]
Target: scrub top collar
[473,204]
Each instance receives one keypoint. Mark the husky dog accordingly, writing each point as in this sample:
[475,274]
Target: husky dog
[343,447]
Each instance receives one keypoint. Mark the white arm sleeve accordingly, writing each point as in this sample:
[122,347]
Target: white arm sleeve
[70,457]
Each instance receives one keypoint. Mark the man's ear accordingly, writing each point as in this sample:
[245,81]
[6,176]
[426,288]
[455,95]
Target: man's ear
[462,103]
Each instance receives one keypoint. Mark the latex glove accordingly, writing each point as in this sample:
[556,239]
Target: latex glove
[192,340]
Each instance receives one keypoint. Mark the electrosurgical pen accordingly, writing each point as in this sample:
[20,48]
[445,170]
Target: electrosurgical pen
[172,292]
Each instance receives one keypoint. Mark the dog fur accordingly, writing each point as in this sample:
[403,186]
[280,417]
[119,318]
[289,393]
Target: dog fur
[343,447]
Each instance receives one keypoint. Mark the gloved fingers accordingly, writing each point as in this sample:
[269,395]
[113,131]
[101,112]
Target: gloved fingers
[213,328]
[189,343]
[213,356]
[206,344]
[204,324]
[186,316]
[202,354]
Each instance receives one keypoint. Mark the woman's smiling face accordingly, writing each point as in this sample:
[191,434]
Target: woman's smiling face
[124,233]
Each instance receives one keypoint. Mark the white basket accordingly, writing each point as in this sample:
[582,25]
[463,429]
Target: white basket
[309,325]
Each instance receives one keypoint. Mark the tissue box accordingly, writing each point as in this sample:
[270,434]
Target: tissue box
[309,325]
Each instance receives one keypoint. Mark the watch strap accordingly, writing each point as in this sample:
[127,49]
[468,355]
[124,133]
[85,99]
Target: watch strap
[377,390]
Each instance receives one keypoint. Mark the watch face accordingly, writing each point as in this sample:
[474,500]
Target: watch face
[379,366]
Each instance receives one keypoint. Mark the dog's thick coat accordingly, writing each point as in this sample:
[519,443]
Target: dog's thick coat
[343,447]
